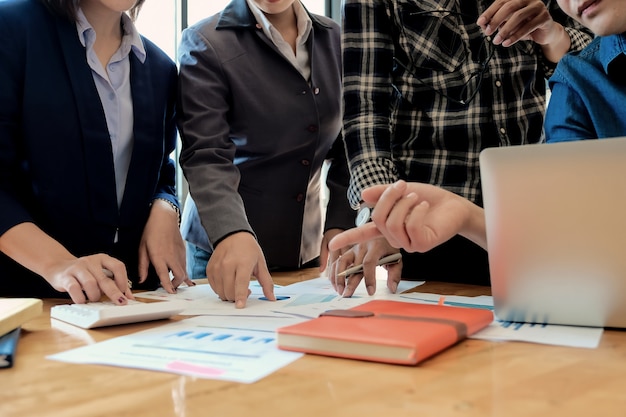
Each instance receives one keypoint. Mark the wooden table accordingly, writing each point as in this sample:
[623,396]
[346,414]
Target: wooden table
[475,378]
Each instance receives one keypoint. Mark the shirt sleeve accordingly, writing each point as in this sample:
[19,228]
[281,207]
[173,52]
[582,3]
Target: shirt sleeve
[207,155]
[567,117]
[368,48]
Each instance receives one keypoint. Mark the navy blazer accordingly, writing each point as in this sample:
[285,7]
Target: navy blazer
[255,135]
[56,164]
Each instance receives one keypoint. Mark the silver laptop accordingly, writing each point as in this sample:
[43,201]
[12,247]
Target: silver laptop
[556,231]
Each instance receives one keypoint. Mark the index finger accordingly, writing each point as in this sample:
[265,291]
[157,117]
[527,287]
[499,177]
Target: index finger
[267,283]
[115,271]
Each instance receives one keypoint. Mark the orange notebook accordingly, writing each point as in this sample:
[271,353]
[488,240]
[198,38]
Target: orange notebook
[385,331]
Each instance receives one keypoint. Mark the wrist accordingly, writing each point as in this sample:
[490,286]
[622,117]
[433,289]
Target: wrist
[172,206]
[559,46]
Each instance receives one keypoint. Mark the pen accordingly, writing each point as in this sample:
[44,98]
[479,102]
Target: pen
[386,260]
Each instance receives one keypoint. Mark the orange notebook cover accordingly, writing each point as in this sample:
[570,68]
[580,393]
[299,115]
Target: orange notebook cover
[385,331]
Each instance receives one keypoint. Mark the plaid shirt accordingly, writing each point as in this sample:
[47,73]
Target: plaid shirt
[402,64]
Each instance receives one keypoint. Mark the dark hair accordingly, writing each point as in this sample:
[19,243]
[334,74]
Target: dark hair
[69,8]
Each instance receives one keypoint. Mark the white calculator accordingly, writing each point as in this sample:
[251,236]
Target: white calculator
[105,313]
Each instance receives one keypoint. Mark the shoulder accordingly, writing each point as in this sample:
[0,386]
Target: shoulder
[205,27]
[324,22]
[23,13]
[326,28]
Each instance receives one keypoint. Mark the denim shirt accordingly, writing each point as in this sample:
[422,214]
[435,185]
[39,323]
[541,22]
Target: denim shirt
[589,93]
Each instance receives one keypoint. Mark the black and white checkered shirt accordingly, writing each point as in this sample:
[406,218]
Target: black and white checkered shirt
[425,91]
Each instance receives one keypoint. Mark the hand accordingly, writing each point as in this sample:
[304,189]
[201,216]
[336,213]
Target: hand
[416,217]
[516,20]
[234,260]
[327,257]
[162,245]
[85,279]
[367,253]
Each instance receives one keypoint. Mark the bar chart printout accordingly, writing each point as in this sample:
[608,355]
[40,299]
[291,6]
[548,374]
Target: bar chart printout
[190,348]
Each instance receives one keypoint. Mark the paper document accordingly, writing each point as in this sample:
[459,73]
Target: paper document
[191,347]
[573,336]
[306,299]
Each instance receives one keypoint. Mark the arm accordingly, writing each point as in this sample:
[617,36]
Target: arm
[567,115]
[207,160]
[368,50]
[82,278]
[20,238]
[367,84]
[416,217]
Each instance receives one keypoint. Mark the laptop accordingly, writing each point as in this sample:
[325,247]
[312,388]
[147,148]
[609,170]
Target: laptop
[556,231]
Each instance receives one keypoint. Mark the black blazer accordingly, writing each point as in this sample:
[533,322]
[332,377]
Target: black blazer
[56,165]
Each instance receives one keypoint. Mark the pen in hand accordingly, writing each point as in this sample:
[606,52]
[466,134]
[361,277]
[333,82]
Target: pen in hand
[386,260]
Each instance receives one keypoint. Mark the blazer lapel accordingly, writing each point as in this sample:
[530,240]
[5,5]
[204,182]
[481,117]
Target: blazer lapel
[146,135]
[95,134]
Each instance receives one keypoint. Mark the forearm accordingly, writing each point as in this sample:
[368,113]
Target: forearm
[556,49]
[367,80]
[474,228]
[576,38]
[29,246]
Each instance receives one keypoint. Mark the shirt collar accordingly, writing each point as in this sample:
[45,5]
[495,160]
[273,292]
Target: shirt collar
[611,48]
[131,40]
[302,18]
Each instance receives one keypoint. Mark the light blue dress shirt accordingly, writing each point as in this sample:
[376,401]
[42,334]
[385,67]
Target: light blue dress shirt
[589,93]
[113,84]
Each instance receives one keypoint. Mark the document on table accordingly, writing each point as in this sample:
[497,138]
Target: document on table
[194,347]
[306,299]
[573,336]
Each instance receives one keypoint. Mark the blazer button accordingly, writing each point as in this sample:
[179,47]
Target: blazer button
[316,91]
[305,162]
[312,128]
[300,197]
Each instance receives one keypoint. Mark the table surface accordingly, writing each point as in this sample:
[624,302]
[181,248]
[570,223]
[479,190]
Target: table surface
[474,378]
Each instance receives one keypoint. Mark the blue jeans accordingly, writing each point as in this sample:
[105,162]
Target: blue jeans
[197,260]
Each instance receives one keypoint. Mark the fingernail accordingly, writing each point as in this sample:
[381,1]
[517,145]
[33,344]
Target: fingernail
[239,304]
[370,289]
[121,300]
